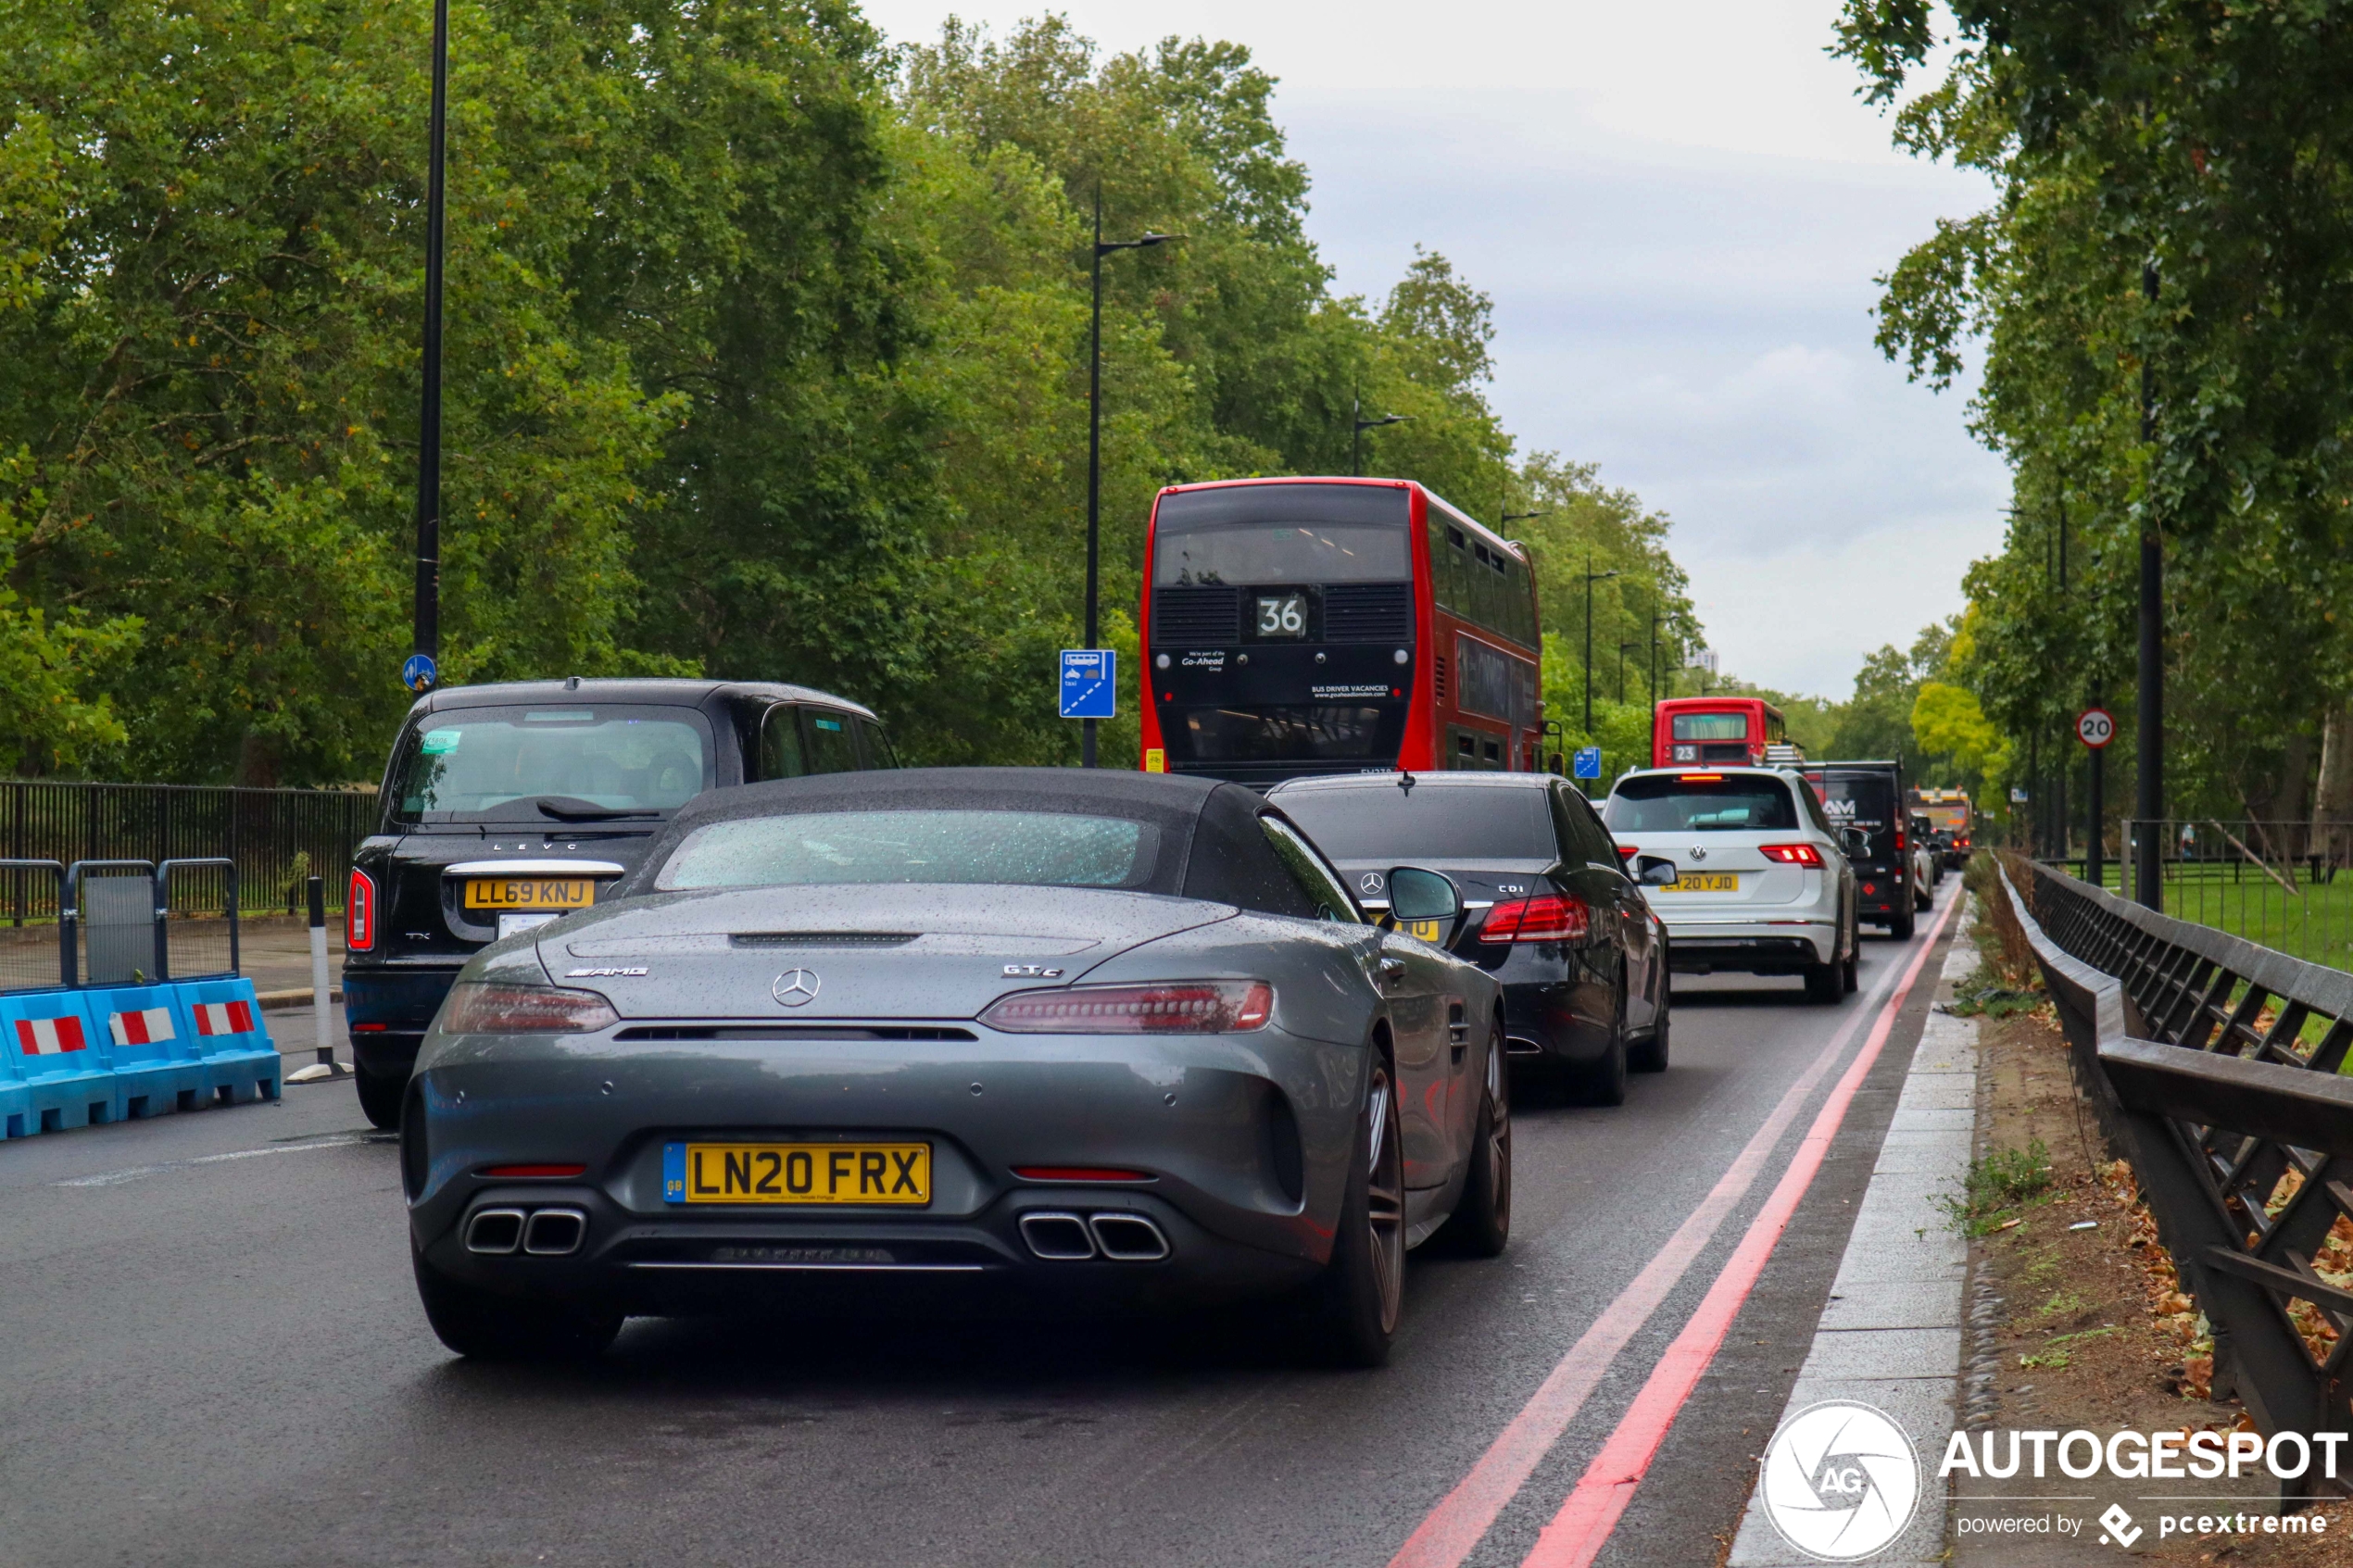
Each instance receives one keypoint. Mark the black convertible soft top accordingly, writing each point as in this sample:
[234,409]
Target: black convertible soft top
[1211,847]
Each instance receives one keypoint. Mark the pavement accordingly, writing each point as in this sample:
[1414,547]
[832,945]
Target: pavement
[215,1355]
[1891,1335]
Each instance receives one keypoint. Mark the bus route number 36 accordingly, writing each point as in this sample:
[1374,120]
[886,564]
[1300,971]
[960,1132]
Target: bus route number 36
[1283,615]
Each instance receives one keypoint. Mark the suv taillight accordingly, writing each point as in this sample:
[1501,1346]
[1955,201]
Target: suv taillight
[360,913]
[1549,917]
[1791,854]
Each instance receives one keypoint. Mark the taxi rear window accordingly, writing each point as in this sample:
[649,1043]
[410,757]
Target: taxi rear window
[553,763]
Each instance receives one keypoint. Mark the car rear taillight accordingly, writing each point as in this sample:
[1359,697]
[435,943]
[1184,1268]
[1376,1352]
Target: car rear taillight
[476,1008]
[1191,1007]
[360,913]
[1899,841]
[1791,854]
[1549,917]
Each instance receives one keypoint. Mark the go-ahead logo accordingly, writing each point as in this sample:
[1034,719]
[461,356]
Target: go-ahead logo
[1840,1481]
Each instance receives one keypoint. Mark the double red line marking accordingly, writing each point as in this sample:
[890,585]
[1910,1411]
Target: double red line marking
[1578,1532]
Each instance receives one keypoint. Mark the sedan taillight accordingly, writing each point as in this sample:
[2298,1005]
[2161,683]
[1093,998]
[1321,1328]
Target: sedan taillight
[1791,854]
[1549,917]
[1188,1007]
[476,1008]
[360,913]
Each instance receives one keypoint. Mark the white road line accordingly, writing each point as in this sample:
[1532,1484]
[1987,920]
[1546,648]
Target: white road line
[132,1173]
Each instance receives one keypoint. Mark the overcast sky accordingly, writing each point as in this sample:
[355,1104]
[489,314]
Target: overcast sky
[1679,210]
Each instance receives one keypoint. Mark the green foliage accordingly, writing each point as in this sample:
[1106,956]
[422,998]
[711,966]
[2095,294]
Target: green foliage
[766,358]
[2173,217]
[1997,1185]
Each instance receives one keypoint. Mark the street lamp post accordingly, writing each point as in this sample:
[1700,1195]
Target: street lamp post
[427,606]
[1356,440]
[1621,669]
[1591,577]
[2149,783]
[1095,440]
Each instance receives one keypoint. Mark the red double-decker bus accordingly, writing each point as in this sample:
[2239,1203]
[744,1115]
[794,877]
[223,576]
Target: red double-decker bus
[1692,731]
[1295,626]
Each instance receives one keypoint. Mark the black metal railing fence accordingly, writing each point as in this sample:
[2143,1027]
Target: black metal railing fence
[2216,1067]
[274,838]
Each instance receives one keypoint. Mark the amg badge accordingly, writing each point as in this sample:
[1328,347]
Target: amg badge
[604,974]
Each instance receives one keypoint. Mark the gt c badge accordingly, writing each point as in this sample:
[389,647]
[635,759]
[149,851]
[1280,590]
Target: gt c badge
[1031,972]
[795,988]
[604,974]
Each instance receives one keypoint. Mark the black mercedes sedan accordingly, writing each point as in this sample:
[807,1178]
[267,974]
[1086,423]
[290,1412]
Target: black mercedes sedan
[1555,916]
[928,1039]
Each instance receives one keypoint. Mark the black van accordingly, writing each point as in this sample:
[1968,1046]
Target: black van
[1870,795]
[507,805]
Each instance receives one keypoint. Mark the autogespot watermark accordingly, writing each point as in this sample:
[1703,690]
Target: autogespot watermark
[2082,1455]
[1840,1481]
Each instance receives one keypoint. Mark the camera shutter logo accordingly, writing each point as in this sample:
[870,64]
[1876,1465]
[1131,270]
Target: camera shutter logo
[1840,1481]
[795,987]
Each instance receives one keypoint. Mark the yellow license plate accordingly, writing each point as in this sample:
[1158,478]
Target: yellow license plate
[530,892]
[796,1172]
[1705,881]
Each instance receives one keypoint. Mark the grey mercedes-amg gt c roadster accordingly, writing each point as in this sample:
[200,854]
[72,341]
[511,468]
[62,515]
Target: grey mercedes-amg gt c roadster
[919,1040]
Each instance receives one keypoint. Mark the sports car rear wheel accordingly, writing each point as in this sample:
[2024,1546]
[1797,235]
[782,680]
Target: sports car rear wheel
[1357,1300]
[499,1328]
[1481,1224]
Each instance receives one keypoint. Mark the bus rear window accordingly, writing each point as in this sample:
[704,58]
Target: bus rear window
[1279,533]
[1710,726]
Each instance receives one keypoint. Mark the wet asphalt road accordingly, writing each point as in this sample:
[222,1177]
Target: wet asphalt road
[210,1352]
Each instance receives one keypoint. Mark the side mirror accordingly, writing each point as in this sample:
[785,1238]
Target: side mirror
[1655,871]
[1420,896]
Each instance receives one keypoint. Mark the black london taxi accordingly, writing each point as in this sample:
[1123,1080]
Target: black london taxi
[507,805]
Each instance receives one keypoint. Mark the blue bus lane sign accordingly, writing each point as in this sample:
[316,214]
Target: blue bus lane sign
[1588,765]
[1089,684]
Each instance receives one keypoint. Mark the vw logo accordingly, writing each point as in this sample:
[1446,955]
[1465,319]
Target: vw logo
[1698,853]
[795,987]
[1371,882]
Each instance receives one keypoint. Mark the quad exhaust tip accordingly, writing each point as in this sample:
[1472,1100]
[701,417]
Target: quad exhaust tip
[494,1233]
[1128,1238]
[552,1232]
[1062,1237]
[1057,1237]
[541,1232]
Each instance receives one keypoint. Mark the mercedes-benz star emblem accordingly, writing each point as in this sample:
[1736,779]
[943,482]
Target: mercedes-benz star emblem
[1369,883]
[1698,853]
[795,987]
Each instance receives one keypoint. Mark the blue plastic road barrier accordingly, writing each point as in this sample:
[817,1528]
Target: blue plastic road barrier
[56,1053]
[157,1069]
[239,1057]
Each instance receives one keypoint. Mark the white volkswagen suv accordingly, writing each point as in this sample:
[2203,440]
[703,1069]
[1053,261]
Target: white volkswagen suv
[1764,884]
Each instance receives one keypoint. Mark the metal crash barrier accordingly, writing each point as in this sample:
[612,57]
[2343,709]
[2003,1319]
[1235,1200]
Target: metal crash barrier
[127,1002]
[2216,1067]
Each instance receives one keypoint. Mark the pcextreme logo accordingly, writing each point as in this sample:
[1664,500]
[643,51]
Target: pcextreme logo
[1840,1480]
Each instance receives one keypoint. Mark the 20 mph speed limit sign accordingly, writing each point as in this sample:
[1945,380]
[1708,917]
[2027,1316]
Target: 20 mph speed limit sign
[2095,727]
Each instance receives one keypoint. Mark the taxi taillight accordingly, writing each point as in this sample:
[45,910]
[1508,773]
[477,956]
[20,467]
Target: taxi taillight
[360,913]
